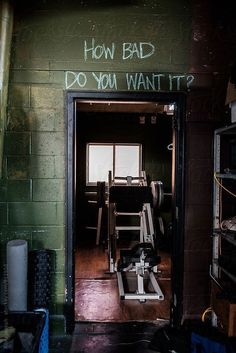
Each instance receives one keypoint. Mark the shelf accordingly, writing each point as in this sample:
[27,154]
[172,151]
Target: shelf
[232,277]
[227,130]
[226,176]
[229,236]
[223,291]
[227,273]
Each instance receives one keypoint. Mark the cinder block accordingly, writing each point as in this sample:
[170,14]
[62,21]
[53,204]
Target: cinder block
[35,166]
[18,167]
[195,241]
[29,63]
[60,213]
[26,119]
[30,76]
[19,95]
[50,238]
[17,143]
[42,119]
[3,190]
[60,261]
[21,58]
[19,119]
[200,171]
[199,193]
[19,190]
[56,76]
[36,213]
[3,213]
[164,54]
[198,217]
[42,167]
[46,97]
[59,120]
[48,190]
[59,282]
[59,166]
[57,321]
[48,143]
[201,150]
[23,233]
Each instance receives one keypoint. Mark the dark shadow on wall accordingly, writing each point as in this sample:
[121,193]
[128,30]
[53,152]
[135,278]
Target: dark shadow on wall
[85,5]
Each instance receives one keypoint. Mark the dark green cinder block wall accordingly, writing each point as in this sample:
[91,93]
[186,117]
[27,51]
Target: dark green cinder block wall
[51,38]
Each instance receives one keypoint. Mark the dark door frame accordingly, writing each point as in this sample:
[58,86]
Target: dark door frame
[179,98]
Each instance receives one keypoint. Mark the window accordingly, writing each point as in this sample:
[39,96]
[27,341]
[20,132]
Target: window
[122,159]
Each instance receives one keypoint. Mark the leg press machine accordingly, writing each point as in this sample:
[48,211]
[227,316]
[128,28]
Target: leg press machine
[131,197]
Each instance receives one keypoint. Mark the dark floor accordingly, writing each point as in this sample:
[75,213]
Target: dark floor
[114,337]
[97,296]
[146,337]
[104,323]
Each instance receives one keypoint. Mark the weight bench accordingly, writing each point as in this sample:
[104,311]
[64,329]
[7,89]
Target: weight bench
[141,259]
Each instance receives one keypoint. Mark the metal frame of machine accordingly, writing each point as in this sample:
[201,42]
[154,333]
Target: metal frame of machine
[143,259]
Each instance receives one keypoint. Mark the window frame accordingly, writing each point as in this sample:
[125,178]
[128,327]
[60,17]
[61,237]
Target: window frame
[113,145]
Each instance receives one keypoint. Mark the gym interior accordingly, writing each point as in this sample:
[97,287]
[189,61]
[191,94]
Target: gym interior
[108,162]
[147,127]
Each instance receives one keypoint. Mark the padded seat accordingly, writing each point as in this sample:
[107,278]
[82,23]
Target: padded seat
[130,198]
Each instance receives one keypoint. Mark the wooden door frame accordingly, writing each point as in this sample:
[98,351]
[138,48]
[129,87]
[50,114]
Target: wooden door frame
[177,253]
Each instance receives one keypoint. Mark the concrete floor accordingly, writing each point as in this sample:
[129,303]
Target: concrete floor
[104,323]
[97,296]
[113,337]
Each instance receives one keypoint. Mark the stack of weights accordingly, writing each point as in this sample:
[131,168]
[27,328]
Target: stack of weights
[39,278]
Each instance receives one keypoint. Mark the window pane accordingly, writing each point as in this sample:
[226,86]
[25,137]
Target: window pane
[99,163]
[127,161]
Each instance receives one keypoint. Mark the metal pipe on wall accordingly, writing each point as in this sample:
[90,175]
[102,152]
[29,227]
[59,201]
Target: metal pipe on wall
[6,26]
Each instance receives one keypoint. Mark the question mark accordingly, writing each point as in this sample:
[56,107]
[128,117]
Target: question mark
[190,79]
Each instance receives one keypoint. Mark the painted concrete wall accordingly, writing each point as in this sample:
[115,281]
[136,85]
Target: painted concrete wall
[52,48]
[213,48]
[100,45]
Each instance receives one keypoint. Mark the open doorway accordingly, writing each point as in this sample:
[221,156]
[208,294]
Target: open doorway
[150,126]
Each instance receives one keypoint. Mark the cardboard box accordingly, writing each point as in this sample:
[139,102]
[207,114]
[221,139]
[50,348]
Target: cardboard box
[225,312]
[231,93]
[232,106]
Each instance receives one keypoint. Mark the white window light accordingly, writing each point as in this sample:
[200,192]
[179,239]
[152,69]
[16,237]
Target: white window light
[122,159]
